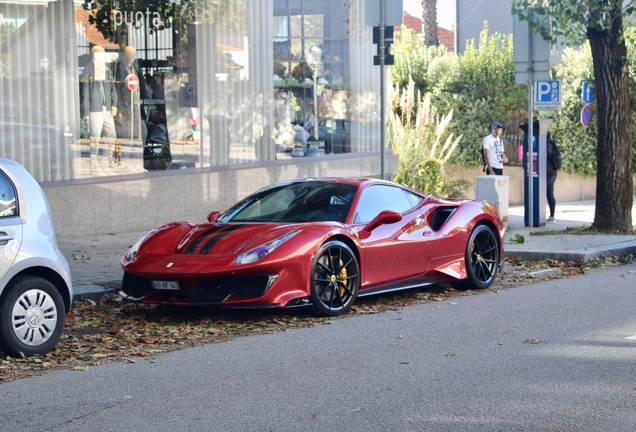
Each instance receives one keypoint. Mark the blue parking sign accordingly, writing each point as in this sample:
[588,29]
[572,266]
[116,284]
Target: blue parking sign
[587,94]
[547,95]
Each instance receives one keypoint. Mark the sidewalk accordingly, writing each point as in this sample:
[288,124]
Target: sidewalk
[565,247]
[94,261]
[95,268]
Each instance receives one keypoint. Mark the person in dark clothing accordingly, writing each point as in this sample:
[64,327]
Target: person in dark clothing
[551,175]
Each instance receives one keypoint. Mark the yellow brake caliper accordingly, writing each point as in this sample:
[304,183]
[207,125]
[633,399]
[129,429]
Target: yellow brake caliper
[343,276]
[472,251]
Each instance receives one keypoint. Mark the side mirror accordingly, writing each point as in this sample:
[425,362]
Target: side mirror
[214,216]
[386,217]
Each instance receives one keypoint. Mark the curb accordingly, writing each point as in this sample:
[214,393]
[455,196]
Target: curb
[92,292]
[622,248]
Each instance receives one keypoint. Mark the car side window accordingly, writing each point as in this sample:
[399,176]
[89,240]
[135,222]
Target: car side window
[7,197]
[413,198]
[378,198]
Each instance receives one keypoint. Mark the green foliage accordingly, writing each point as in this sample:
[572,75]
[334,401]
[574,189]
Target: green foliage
[412,60]
[421,139]
[569,19]
[444,73]
[484,92]
[577,144]
[478,87]
[472,117]
[488,70]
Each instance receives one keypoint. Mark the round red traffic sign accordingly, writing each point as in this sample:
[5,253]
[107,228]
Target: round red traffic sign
[132,82]
[586,115]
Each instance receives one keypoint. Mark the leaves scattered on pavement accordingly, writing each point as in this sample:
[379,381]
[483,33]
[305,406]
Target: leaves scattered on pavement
[111,330]
[517,239]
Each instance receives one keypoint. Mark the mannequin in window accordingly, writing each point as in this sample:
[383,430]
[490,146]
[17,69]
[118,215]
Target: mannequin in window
[126,67]
[99,99]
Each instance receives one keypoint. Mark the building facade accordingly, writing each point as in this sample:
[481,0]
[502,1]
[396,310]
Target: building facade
[135,112]
[469,22]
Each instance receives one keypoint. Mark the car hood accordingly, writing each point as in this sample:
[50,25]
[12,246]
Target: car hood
[229,239]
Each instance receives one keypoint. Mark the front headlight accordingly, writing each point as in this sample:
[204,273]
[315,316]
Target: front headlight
[132,252]
[262,251]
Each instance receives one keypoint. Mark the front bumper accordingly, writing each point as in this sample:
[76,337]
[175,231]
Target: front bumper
[210,291]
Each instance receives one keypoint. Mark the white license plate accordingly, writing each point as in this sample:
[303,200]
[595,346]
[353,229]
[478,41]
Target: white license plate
[165,285]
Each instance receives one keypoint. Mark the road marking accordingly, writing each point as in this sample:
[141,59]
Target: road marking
[631,337]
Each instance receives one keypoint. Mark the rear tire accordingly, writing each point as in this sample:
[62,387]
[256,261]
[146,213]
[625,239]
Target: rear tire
[335,279]
[481,258]
[32,317]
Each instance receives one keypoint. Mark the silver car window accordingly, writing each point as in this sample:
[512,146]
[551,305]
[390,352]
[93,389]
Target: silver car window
[7,197]
[378,198]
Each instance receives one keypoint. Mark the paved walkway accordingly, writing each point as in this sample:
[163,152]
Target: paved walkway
[565,247]
[95,268]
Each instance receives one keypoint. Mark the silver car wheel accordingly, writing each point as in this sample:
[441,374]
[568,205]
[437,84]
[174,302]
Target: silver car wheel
[34,317]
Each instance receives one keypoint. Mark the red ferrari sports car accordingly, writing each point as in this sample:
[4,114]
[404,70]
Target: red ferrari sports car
[318,242]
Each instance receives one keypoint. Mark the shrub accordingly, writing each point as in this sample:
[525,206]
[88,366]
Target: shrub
[421,139]
[412,59]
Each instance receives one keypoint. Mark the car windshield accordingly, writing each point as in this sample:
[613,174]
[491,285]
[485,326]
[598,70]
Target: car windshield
[309,201]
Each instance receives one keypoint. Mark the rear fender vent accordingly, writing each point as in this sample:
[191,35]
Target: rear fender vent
[440,217]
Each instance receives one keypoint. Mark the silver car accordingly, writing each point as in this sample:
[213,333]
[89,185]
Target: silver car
[35,280]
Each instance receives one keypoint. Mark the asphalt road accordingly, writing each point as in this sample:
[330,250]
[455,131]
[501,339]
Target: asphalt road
[457,365]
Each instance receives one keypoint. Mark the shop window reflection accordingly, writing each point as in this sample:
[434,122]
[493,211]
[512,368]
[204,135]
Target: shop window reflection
[179,84]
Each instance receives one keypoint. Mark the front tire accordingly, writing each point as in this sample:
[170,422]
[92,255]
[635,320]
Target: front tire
[335,279]
[32,317]
[482,259]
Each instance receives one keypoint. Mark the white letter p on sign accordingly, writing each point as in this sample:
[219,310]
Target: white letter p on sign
[543,88]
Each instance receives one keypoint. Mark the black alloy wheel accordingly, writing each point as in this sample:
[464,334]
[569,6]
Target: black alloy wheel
[335,279]
[482,259]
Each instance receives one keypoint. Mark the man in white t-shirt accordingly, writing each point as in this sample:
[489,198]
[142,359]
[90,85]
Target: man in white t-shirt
[494,151]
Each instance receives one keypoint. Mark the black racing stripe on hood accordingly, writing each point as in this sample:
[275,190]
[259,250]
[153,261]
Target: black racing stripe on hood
[193,245]
[214,240]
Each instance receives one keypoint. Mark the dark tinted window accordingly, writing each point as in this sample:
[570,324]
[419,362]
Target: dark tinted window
[295,202]
[378,198]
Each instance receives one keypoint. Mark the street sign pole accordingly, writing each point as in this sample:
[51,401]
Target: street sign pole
[132,116]
[530,171]
[375,11]
[382,49]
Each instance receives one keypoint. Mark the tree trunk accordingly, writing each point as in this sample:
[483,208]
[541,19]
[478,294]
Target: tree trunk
[429,16]
[614,186]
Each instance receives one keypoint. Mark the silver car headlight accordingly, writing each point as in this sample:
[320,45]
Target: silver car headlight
[260,252]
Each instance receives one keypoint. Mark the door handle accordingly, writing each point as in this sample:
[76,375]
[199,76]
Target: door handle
[5,238]
[426,233]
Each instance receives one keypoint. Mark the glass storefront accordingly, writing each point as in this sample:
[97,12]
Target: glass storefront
[96,88]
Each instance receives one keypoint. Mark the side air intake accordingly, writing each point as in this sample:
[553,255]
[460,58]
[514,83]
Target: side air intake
[441,216]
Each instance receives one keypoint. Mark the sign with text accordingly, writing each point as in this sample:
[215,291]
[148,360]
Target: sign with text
[547,95]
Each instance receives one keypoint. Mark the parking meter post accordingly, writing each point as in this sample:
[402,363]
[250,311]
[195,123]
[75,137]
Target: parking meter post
[530,131]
